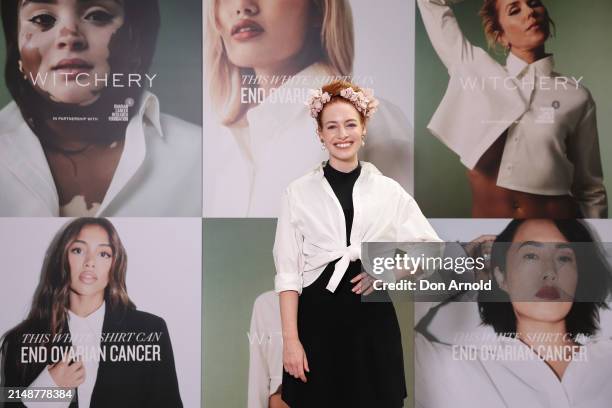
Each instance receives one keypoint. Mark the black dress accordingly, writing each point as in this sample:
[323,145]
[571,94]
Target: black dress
[353,348]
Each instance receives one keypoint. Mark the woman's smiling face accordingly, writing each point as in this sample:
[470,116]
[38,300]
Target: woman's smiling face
[342,131]
[65,44]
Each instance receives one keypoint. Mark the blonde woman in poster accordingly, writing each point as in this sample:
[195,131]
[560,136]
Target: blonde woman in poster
[527,135]
[338,350]
[261,57]
[84,135]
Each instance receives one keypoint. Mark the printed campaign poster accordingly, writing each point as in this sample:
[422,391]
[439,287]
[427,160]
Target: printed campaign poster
[100,312]
[513,109]
[261,61]
[539,335]
[91,121]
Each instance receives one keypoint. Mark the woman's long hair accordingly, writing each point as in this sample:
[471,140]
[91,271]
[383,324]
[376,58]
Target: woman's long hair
[49,311]
[51,301]
[52,298]
[336,51]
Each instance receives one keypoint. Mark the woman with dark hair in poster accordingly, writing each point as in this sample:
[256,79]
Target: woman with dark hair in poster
[527,134]
[339,350]
[261,58]
[84,135]
[550,280]
[84,333]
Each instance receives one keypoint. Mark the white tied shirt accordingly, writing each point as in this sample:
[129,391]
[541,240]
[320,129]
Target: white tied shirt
[248,165]
[265,350]
[311,230]
[552,147]
[158,174]
[85,333]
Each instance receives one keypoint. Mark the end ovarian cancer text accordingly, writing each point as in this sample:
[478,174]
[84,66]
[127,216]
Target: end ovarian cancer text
[113,353]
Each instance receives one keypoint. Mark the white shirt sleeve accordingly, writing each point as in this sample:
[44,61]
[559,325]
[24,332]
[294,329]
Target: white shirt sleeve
[414,233]
[287,251]
[259,373]
[444,32]
[583,151]
[44,380]
[413,226]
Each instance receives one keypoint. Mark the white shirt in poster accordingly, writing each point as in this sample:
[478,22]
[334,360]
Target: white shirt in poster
[248,165]
[495,383]
[159,172]
[311,230]
[265,350]
[552,146]
[461,362]
[85,333]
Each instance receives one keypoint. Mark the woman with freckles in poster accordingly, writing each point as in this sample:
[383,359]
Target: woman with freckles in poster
[84,136]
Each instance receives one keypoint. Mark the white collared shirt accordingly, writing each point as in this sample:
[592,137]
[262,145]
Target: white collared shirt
[552,147]
[514,381]
[311,230]
[158,174]
[265,350]
[465,369]
[86,334]
[248,165]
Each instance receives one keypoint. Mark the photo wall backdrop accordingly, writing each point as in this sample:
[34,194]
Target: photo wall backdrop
[179,69]
[258,133]
[163,278]
[581,48]
[238,268]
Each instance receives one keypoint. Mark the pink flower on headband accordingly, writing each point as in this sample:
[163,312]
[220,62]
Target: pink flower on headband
[316,100]
[364,101]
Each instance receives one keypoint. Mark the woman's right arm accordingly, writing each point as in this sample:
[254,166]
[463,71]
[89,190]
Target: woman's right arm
[288,284]
[294,357]
[444,32]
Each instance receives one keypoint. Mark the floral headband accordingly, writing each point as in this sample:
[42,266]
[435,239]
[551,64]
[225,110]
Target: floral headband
[363,101]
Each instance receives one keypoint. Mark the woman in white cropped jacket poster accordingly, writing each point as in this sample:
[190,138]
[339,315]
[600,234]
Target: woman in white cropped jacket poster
[527,135]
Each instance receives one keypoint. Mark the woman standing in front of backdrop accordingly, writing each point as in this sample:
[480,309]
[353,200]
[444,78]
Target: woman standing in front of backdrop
[82,298]
[338,351]
[527,135]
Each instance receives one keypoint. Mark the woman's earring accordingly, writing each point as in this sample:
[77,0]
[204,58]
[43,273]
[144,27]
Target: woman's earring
[362,140]
[20,66]
[322,145]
